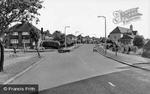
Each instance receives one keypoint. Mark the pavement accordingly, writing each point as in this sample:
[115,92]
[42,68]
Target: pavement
[11,58]
[16,63]
[127,59]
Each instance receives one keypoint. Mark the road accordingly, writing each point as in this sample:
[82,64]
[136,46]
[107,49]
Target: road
[57,69]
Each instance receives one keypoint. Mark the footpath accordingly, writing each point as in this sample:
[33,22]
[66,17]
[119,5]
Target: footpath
[16,63]
[127,59]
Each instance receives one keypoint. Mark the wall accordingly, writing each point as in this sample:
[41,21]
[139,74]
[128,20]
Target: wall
[115,37]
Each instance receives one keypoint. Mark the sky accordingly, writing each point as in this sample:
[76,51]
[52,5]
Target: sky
[81,16]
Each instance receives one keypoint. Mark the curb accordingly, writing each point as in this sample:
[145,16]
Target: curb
[21,73]
[123,62]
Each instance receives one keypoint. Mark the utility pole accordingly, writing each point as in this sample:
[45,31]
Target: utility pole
[65,36]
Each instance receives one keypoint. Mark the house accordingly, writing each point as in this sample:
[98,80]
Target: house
[86,39]
[146,50]
[18,36]
[71,37]
[123,35]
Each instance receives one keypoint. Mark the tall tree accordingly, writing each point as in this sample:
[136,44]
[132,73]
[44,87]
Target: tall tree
[16,11]
[58,36]
[35,36]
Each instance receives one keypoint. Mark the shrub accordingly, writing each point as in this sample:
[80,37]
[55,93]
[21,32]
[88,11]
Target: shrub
[51,44]
[146,54]
[138,41]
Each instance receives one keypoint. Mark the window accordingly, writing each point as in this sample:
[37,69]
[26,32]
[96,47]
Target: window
[25,33]
[115,37]
[26,41]
[15,33]
[14,41]
[121,35]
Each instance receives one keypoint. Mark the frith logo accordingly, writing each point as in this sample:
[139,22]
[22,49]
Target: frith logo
[126,16]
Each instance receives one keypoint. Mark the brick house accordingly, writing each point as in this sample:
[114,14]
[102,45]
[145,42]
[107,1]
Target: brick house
[123,35]
[18,36]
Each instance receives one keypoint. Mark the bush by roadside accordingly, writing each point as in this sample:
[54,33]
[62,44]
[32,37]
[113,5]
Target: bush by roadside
[146,54]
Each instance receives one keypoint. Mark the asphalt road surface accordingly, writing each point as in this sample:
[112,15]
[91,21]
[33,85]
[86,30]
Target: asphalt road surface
[90,73]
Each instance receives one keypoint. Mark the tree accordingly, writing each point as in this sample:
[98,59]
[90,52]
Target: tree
[17,11]
[62,41]
[1,57]
[35,36]
[138,41]
[58,36]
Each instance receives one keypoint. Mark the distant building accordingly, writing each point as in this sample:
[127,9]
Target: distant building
[123,35]
[71,38]
[18,36]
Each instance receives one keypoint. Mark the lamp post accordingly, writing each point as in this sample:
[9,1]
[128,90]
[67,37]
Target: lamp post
[105,31]
[65,36]
[94,38]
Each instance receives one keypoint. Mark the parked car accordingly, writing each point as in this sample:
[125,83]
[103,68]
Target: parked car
[63,50]
[94,49]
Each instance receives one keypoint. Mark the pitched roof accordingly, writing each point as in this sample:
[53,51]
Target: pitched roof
[116,30]
[23,27]
[71,35]
[147,45]
[120,30]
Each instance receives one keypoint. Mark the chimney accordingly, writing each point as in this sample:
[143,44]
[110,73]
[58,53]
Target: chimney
[131,27]
[41,30]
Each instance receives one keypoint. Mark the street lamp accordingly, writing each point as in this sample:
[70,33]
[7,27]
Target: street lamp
[94,38]
[65,36]
[105,30]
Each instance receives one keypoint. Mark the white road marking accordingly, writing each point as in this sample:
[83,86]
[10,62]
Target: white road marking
[111,84]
